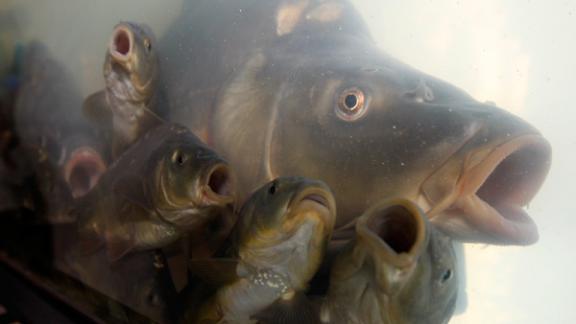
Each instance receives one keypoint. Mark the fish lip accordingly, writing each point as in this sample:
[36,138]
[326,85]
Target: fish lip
[366,231]
[500,217]
[319,195]
[85,157]
[218,185]
[118,56]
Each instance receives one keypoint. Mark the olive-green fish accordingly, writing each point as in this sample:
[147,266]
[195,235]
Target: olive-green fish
[299,87]
[399,269]
[164,186]
[282,233]
[129,105]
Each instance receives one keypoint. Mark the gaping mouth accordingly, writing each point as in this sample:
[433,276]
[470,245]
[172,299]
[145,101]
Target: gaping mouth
[83,170]
[218,186]
[315,202]
[492,194]
[121,44]
[396,228]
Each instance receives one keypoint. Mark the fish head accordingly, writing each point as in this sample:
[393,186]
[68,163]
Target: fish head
[412,264]
[287,223]
[132,57]
[374,128]
[190,179]
[64,152]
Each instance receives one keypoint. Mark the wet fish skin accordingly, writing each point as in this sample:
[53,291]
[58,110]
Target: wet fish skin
[165,185]
[281,237]
[405,133]
[399,269]
[130,104]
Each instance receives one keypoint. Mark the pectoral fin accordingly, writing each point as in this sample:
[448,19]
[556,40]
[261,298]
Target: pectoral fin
[117,247]
[95,108]
[133,189]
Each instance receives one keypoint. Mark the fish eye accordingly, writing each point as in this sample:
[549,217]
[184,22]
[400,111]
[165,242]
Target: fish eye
[446,275]
[351,104]
[272,189]
[147,44]
[178,158]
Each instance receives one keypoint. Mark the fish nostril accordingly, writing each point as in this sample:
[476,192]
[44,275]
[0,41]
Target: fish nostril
[122,42]
[220,182]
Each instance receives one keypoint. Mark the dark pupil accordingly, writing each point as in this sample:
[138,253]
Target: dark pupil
[447,275]
[272,189]
[351,101]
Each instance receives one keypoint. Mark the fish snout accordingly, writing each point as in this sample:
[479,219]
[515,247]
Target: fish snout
[218,185]
[83,170]
[315,199]
[499,171]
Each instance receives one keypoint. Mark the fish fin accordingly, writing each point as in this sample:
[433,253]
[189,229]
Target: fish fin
[292,309]
[117,248]
[326,12]
[88,244]
[289,15]
[216,271]
[133,188]
[95,108]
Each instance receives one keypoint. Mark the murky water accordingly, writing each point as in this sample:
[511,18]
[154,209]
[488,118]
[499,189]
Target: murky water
[516,54]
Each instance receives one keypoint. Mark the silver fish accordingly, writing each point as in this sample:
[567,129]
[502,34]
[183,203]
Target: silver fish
[129,105]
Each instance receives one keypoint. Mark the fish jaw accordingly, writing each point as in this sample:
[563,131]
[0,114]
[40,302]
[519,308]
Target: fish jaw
[217,186]
[83,170]
[395,233]
[121,45]
[485,200]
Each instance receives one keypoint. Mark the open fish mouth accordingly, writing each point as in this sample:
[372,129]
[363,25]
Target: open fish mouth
[121,44]
[491,194]
[83,170]
[218,185]
[396,229]
[314,201]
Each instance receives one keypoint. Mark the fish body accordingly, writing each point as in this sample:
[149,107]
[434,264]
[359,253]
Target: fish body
[129,105]
[58,155]
[165,185]
[282,233]
[300,88]
[398,269]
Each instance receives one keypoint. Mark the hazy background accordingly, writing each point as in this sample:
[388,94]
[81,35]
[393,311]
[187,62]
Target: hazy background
[519,54]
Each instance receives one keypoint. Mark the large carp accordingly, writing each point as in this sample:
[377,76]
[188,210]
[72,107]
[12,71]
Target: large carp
[299,87]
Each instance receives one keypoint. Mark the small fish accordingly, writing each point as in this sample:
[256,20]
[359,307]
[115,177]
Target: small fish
[282,233]
[165,185]
[399,269]
[129,105]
